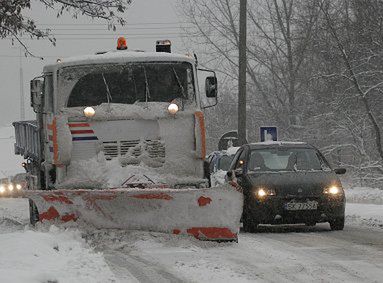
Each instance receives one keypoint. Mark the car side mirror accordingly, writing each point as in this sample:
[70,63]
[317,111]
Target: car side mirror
[238,172]
[211,86]
[340,171]
[37,88]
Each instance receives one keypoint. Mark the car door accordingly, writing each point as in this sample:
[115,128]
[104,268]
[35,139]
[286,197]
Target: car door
[238,167]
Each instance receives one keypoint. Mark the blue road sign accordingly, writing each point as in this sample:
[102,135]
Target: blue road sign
[268,134]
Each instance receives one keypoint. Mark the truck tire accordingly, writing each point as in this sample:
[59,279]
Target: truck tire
[337,224]
[249,224]
[33,213]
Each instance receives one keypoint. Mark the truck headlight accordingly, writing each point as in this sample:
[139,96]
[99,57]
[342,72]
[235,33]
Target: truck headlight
[2,189]
[173,108]
[89,112]
[10,187]
[333,190]
[263,192]
[18,187]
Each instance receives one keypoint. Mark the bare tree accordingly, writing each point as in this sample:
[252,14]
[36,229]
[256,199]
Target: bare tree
[362,58]
[13,23]
[279,34]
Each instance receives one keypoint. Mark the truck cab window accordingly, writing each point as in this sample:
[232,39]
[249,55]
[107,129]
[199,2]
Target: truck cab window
[131,83]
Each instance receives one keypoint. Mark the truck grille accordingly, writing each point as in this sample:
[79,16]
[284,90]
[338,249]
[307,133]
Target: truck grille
[154,148]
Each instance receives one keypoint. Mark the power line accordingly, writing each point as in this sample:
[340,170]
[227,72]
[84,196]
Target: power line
[108,34]
[122,28]
[105,24]
[111,38]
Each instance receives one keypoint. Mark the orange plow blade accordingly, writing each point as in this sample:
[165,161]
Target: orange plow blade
[207,214]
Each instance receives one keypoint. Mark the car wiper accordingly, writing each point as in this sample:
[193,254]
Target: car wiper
[108,95]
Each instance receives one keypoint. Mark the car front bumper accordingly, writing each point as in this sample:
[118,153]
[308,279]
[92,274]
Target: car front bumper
[272,210]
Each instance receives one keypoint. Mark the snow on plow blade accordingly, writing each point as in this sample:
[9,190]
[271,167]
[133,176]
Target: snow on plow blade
[207,214]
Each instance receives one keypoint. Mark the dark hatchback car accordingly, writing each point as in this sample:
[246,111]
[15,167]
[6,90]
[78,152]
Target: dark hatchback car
[287,183]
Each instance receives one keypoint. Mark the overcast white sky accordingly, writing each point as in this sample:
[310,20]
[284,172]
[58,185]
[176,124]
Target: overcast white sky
[147,20]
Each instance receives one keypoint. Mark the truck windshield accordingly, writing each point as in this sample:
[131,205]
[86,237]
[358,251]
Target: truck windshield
[129,84]
[287,159]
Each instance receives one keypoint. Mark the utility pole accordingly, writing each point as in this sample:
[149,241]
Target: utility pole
[242,72]
[22,99]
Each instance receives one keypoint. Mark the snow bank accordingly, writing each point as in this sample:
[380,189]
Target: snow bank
[364,195]
[55,256]
[370,215]
[48,255]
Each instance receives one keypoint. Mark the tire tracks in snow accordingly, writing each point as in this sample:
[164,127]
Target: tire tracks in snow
[123,260]
[127,266]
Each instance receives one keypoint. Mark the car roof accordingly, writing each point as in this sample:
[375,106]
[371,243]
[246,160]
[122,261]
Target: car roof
[280,144]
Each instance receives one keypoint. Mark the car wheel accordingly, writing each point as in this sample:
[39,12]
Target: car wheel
[33,213]
[337,224]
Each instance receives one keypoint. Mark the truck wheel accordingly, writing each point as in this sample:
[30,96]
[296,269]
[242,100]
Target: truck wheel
[33,213]
[337,224]
[249,224]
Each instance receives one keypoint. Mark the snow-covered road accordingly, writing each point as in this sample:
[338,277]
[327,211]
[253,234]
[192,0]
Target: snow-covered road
[288,254]
[275,254]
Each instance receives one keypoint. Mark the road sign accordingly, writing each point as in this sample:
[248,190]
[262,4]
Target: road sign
[268,134]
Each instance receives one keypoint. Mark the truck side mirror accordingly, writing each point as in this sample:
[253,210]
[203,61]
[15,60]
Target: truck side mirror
[340,171]
[37,87]
[211,86]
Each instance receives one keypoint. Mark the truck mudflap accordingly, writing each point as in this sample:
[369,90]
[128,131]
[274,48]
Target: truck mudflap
[207,214]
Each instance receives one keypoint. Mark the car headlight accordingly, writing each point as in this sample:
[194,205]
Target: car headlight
[2,189]
[10,187]
[263,192]
[173,108]
[18,187]
[333,190]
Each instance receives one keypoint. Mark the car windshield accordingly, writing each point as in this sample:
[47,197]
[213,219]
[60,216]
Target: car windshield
[129,83]
[286,159]
[224,162]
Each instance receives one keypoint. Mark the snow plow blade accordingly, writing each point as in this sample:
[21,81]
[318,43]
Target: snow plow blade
[207,214]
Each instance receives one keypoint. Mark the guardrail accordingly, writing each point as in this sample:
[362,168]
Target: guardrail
[27,139]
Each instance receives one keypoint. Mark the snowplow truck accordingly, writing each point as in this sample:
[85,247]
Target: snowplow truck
[119,142]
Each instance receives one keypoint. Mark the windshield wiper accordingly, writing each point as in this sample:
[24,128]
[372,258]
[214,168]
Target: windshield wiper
[179,83]
[147,91]
[108,95]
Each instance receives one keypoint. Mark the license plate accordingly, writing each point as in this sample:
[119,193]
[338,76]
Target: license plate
[309,205]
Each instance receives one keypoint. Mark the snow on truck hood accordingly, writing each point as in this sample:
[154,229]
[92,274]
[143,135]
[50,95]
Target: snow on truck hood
[119,57]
